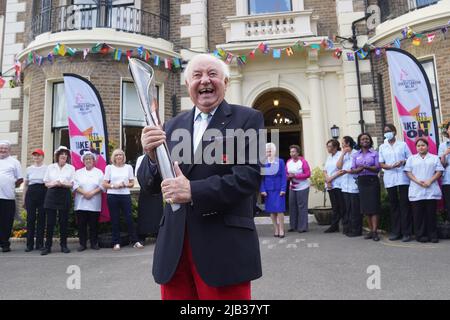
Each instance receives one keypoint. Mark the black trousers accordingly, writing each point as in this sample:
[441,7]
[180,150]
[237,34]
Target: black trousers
[338,206]
[7,213]
[446,194]
[353,212]
[63,219]
[425,220]
[35,213]
[401,220]
[85,219]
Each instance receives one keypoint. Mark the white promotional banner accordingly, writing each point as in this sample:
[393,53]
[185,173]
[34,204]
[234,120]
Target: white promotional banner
[413,99]
[87,129]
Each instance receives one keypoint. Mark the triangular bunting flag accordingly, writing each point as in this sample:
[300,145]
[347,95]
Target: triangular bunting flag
[262,47]
[337,53]
[430,37]
[97,48]
[276,53]
[289,51]
[229,58]
[71,51]
[117,54]
[168,63]
[222,53]
[129,53]
[378,52]
[176,63]
[147,55]
[330,44]
[2,82]
[105,49]
[156,61]
[50,57]
[416,42]
[362,54]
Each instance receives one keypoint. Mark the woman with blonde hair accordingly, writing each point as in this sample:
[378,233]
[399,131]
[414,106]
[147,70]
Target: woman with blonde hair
[273,189]
[118,180]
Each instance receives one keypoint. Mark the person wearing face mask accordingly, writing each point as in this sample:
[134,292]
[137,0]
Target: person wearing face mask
[444,155]
[424,170]
[392,157]
[34,195]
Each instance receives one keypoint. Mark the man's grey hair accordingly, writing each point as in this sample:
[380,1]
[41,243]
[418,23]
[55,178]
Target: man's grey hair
[224,67]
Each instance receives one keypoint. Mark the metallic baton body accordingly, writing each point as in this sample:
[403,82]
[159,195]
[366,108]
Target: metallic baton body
[144,81]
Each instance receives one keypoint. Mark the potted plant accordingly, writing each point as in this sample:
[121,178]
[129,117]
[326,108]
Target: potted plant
[323,214]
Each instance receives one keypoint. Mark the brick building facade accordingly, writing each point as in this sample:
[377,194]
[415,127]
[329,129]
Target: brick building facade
[313,90]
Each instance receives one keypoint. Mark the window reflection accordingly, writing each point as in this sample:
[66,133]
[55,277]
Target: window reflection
[268,6]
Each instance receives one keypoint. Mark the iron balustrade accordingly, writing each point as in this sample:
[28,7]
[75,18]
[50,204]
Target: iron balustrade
[88,16]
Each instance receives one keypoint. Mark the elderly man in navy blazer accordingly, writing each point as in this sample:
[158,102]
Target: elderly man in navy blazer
[209,248]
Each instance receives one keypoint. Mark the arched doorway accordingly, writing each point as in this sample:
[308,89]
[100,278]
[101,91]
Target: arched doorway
[281,112]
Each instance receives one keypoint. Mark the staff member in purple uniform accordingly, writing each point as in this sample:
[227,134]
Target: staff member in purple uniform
[365,164]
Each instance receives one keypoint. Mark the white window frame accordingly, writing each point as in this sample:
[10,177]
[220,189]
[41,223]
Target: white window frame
[438,109]
[242,8]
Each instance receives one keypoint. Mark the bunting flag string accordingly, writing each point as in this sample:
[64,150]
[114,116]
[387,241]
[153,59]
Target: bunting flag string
[330,44]
[325,44]
[117,54]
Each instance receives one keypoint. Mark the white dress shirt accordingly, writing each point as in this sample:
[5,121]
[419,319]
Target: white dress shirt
[331,169]
[54,172]
[200,125]
[348,180]
[446,175]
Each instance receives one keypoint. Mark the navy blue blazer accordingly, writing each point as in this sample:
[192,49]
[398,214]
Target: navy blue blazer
[219,222]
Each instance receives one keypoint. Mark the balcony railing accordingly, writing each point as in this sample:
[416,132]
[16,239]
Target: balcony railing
[392,11]
[85,17]
[270,26]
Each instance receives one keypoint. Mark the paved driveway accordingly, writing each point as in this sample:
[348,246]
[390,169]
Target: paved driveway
[310,265]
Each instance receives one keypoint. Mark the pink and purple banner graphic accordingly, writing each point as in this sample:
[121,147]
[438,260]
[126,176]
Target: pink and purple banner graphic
[413,98]
[87,129]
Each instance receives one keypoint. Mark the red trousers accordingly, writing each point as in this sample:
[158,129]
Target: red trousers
[186,283]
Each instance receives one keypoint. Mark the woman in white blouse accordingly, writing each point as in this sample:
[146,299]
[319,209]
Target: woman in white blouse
[34,195]
[424,169]
[118,180]
[59,181]
[88,200]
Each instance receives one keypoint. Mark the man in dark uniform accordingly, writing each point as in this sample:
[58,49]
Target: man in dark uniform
[209,248]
